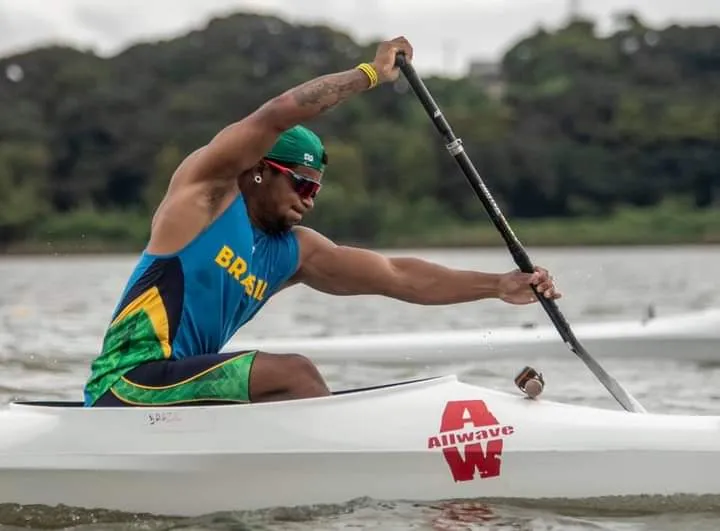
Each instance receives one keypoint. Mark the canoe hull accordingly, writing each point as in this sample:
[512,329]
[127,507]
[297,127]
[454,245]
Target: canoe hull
[430,440]
[252,483]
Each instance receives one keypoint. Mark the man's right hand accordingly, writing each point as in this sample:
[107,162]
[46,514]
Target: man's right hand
[384,62]
[515,287]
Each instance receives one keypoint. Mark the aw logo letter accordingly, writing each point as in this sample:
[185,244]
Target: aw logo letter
[471,440]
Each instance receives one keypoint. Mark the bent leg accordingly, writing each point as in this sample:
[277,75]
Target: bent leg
[284,377]
[197,380]
[227,378]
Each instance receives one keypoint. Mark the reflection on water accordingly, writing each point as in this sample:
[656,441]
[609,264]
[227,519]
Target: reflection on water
[631,514]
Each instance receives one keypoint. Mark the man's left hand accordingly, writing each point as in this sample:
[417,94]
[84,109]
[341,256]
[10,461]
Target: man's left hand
[515,287]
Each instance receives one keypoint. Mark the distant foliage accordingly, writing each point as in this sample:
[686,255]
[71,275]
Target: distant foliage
[586,125]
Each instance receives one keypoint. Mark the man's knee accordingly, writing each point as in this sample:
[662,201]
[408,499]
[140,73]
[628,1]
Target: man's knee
[277,376]
[300,365]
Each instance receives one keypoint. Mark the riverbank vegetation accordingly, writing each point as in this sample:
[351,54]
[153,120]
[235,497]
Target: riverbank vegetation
[583,138]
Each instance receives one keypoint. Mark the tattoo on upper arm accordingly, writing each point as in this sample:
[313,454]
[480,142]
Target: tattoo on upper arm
[327,91]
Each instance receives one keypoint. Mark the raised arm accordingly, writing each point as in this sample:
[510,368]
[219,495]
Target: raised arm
[341,270]
[240,145]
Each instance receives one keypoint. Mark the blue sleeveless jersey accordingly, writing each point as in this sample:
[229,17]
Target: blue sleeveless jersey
[192,302]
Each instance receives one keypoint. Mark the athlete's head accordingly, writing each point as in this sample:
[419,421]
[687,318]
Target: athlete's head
[282,186]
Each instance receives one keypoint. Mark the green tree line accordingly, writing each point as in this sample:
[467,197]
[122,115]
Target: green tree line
[622,127]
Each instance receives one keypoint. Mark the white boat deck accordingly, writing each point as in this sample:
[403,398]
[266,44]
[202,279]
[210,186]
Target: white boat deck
[428,440]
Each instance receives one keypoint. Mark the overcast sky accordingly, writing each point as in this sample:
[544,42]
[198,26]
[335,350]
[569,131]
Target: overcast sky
[446,33]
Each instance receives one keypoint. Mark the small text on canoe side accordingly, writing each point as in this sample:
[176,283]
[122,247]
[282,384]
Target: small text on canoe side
[162,417]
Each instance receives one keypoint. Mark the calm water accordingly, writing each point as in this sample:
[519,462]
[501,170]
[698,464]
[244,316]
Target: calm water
[53,311]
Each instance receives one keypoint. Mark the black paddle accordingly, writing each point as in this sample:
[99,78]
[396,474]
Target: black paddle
[455,147]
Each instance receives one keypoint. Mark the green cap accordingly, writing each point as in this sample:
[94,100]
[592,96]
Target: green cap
[299,145]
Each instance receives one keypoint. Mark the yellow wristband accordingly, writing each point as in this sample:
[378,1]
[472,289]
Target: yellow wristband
[370,72]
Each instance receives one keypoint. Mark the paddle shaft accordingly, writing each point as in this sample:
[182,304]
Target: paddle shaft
[455,147]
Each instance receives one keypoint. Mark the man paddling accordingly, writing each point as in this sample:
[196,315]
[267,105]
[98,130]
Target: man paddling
[226,237]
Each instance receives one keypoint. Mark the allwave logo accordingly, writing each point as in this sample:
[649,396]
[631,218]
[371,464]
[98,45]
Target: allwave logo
[470,449]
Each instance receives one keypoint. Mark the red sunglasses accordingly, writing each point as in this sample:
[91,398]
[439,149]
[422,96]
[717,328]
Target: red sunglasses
[306,187]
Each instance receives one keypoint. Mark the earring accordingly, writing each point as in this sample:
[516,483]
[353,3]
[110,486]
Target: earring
[258,178]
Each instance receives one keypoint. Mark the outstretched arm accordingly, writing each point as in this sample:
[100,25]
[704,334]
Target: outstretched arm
[341,270]
[240,145]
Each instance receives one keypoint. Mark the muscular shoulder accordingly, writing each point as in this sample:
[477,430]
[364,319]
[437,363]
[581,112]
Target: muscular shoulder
[312,247]
[188,206]
[341,269]
[310,242]
[185,183]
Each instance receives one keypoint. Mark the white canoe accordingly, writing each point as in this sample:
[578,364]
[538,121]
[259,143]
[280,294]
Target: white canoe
[692,336]
[425,440]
